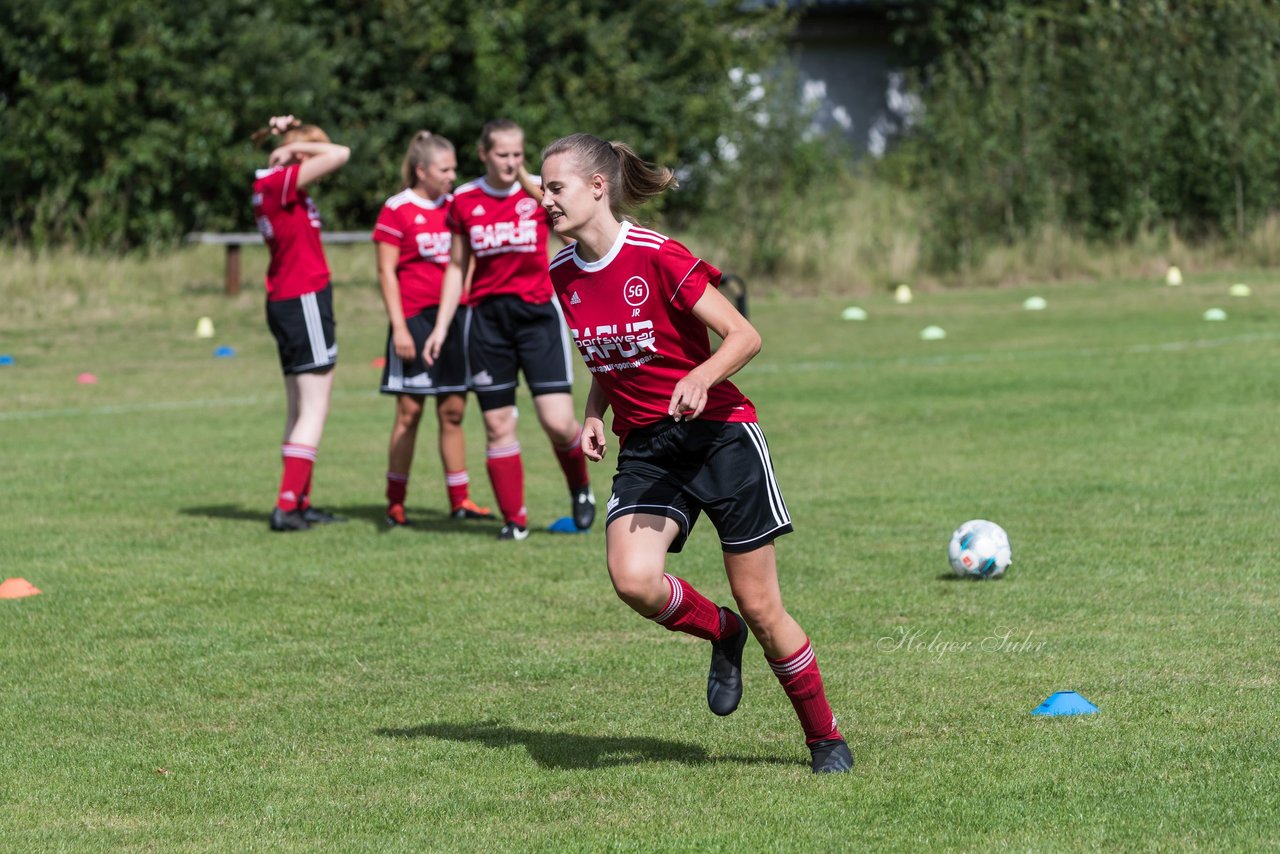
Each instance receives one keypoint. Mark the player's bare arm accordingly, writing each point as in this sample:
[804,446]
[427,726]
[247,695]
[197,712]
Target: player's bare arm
[389,282]
[317,158]
[594,445]
[740,344]
[450,295]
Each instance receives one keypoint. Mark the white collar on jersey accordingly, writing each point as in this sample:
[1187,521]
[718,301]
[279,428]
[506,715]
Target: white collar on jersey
[411,195]
[597,266]
[493,191]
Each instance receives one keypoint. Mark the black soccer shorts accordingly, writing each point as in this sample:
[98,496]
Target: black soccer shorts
[505,334]
[447,376]
[678,469]
[304,331]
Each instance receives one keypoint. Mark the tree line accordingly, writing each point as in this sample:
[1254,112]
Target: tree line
[126,125]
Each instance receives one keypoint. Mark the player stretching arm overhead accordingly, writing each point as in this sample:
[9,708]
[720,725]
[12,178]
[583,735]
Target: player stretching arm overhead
[299,303]
[413,241]
[514,325]
[639,305]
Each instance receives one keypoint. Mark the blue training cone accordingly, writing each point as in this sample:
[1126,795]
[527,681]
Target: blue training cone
[224,352]
[1065,703]
[6,359]
[565,525]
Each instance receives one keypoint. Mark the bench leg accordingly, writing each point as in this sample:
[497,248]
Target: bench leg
[233,270]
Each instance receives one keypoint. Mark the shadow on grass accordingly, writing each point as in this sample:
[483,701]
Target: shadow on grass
[951,576]
[571,751]
[423,521]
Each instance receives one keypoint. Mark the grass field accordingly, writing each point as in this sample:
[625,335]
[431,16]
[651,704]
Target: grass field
[189,681]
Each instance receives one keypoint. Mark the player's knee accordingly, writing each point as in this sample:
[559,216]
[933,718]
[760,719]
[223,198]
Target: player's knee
[763,613]
[450,415]
[638,584]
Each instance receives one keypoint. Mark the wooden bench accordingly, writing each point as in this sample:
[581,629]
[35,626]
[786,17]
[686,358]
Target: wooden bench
[235,239]
[733,286]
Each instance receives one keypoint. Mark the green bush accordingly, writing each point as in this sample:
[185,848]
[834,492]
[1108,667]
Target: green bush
[126,125]
[1109,119]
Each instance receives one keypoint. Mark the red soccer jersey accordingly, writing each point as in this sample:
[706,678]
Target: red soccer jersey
[417,227]
[631,316]
[507,231]
[290,224]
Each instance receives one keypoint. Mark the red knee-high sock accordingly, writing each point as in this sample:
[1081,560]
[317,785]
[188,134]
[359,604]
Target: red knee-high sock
[801,679]
[573,462]
[506,473]
[690,612]
[397,488]
[298,463]
[456,483]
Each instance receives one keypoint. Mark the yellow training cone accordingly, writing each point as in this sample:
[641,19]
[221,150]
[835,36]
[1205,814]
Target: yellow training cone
[902,294]
[204,328]
[1173,278]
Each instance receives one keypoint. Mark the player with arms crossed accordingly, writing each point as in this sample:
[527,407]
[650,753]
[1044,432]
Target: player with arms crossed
[514,323]
[299,303]
[413,243]
[639,306]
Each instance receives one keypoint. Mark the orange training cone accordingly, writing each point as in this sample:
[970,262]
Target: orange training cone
[16,588]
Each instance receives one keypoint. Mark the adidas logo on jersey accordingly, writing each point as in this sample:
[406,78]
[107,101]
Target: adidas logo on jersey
[478,210]
[482,378]
[419,219]
[575,299]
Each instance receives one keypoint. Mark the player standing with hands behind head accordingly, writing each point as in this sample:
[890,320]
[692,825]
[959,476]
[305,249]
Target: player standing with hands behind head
[514,323]
[639,306]
[299,303]
[413,243]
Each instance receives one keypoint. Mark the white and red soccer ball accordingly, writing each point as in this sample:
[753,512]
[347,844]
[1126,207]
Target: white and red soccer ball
[979,549]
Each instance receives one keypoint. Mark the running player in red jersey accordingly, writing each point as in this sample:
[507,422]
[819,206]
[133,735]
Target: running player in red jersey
[299,304]
[514,324]
[639,305]
[413,243]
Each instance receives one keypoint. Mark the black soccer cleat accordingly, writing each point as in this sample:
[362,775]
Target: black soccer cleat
[512,531]
[724,682]
[584,507]
[316,516]
[831,756]
[290,520]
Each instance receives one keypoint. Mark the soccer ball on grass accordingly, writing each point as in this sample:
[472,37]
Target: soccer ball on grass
[979,549]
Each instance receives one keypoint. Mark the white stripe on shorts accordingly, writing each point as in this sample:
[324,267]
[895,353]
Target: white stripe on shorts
[564,342]
[315,329]
[779,509]
[395,367]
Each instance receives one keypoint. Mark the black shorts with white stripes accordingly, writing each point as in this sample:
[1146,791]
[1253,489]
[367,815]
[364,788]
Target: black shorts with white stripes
[449,373]
[303,327]
[678,469]
[505,334]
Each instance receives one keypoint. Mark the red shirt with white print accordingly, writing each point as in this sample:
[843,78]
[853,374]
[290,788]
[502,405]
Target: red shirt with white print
[290,225]
[417,227]
[631,317]
[507,231]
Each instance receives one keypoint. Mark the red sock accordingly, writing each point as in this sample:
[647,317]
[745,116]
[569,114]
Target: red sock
[397,487]
[456,484]
[506,473]
[573,462]
[298,462]
[801,679]
[305,501]
[689,611]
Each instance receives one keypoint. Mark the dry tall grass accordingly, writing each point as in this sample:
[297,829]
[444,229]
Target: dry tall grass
[865,237]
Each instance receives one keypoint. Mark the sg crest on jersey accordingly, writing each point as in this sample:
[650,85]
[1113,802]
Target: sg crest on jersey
[635,291]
